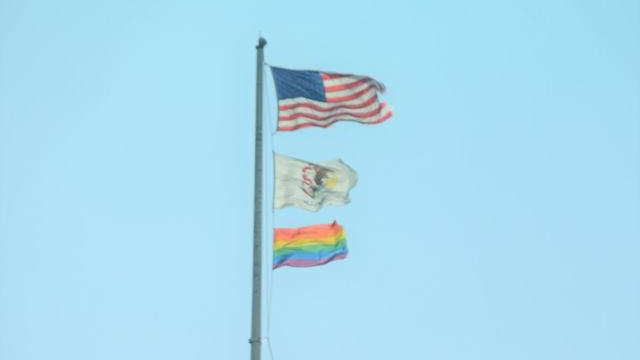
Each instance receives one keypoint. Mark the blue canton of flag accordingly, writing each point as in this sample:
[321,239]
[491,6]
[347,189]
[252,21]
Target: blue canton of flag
[315,98]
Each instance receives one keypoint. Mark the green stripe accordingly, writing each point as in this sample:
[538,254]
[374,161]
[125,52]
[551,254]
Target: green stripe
[310,248]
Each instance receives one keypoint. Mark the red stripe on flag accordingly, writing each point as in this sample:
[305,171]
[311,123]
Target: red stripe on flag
[316,117]
[366,103]
[326,125]
[345,86]
[352,96]
[328,76]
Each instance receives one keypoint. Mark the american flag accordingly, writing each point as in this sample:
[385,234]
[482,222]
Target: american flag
[316,98]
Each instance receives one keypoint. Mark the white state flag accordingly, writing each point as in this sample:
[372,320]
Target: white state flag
[311,185]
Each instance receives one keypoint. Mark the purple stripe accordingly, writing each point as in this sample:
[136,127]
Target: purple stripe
[308,263]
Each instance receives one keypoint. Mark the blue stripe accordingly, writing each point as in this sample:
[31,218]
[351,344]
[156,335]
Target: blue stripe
[298,83]
[310,255]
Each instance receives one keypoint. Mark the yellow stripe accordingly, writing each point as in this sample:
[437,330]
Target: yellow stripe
[328,240]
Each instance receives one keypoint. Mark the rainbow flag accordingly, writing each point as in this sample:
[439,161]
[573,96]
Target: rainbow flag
[309,246]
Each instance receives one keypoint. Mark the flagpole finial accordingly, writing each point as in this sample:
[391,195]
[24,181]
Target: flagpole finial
[261,43]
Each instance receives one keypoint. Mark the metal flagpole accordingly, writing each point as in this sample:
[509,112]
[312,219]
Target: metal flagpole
[256,305]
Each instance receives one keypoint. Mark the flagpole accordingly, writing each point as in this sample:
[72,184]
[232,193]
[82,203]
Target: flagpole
[256,304]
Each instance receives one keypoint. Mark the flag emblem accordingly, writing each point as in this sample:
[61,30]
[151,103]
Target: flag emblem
[310,186]
[315,98]
[316,179]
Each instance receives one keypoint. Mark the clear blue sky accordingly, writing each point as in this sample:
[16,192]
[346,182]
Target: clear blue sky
[497,215]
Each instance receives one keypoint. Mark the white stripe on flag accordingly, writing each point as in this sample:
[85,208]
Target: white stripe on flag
[307,111]
[300,100]
[348,92]
[303,121]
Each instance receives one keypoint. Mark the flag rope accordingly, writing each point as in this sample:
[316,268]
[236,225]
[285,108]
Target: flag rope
[269,215]
[272,130]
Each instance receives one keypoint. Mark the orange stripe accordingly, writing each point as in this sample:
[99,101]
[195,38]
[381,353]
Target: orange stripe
[304,241]
[319,231]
